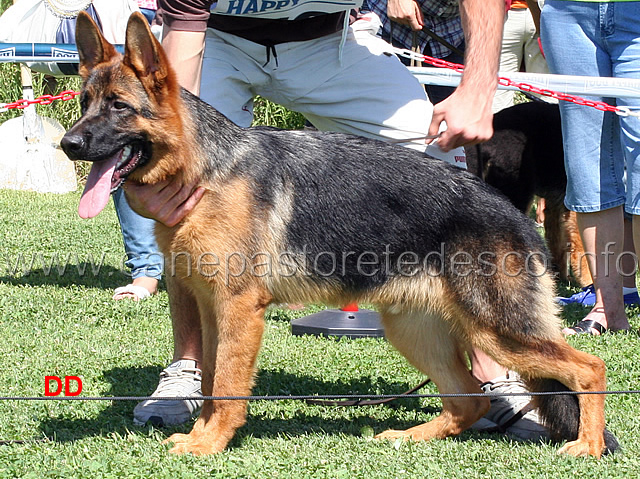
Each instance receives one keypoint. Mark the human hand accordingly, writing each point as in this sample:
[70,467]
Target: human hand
[405,12]
[468,117]
[168,201]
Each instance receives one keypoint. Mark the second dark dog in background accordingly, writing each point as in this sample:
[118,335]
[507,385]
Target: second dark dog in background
[525,159]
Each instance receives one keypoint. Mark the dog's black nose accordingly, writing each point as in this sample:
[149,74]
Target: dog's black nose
[72,145]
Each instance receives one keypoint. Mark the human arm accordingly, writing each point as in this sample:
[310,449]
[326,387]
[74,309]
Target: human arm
[405,12]
[185,22]
[169,201]
[185,51]
[467,111]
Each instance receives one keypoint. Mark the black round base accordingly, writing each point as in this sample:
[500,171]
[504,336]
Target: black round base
[336,322]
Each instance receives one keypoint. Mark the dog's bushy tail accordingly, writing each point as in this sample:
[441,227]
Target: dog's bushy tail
[560,413]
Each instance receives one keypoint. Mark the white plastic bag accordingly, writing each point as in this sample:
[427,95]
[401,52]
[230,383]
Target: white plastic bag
[53,21]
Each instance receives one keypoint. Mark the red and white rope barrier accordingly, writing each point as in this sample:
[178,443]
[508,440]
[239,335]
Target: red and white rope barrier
[561,87]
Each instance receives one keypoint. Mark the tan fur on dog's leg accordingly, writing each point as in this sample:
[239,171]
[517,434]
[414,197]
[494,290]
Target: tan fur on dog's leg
[579,265]
[556,237]
[583,372]
[185,318]
[232,335]
[426,341]
[578,371]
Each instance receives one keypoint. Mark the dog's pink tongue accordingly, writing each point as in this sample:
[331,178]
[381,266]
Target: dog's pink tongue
[96,193]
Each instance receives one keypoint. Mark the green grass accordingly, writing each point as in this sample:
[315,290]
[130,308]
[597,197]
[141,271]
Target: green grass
[55,322]
[66,324]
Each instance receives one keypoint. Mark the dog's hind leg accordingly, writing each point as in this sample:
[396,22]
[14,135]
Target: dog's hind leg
[231,334]
[542,361]
[429,345]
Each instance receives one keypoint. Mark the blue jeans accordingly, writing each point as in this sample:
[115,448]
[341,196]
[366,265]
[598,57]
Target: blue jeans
[148,14]
[597,39]
[143,257]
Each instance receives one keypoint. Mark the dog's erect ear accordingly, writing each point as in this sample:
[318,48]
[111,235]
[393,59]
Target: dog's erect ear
[144,54]
[93,48]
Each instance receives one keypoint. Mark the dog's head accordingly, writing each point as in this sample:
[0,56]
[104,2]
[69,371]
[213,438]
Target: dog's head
[128,103]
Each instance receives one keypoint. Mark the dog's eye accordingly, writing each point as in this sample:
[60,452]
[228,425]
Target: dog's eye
[120,105]
[84,102]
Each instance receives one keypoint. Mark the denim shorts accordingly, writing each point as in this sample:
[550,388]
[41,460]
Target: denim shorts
[597,39]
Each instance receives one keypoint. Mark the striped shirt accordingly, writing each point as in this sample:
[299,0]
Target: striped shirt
[442,17]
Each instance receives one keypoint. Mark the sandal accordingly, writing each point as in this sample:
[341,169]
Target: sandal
[586,326]
[138,292]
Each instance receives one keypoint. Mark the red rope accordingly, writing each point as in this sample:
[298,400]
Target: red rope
[42,100]
[598,105]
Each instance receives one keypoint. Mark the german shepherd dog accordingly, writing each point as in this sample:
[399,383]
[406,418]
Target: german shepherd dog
[525,158]
[310,216]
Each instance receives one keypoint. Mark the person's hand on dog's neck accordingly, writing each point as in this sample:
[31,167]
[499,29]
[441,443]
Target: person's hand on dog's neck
[167,202]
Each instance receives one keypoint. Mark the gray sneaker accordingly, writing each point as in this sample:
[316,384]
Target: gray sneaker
[180,379]
[512,415]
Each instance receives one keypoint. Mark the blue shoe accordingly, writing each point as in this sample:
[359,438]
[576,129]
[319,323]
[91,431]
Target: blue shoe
[632,298]
[587,297]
